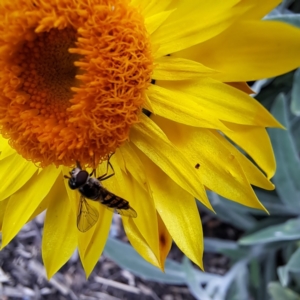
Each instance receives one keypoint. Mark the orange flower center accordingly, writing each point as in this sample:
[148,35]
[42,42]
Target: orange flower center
[72,78]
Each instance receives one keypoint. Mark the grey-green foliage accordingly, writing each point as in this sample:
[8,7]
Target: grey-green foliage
[265,262]
[295,101]
[278,292]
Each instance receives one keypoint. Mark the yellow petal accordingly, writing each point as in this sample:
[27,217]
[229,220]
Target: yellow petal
[3,205]
[147,104]
[249,51]
[146,221]
[228,103]
[172,68]
[149,138]
[153,22]
[256,142]
[92,243]
[120,160]
[242,86]
[3,142]
[151,7]
[219,169]
[253,174]
[138,242]
[5,149]
[182,107]
[42,206]
[133,164]
[60,232]
[15,172]
[165,240]
[25,201]
[178,211]
[125,186]
[194,22]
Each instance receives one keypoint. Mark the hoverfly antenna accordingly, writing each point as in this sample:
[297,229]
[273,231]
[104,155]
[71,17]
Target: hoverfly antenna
[67,177]
[94,162]
[78,164]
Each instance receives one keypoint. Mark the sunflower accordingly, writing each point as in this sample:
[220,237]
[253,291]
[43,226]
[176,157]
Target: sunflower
[161,84]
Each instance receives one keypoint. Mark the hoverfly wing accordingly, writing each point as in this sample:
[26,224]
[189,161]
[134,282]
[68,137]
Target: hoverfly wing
[87,215]
[130,212]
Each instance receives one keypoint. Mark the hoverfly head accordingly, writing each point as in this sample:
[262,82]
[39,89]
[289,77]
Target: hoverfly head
[78,178]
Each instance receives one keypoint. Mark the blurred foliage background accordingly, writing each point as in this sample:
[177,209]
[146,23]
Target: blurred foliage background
[260,258]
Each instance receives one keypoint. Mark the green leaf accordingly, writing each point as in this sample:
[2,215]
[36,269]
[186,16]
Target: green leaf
[237,254]
[258,85]
[295,102]
[126,257]
[294,262]
[293,265]
[269,266]
[217,245]
[288,251]
[255,276]
[279,84]
[273,204]
[278,292]
[239,288]
[283,275]
[287,231]
[220,288]
[286,178]
[292,19]
[192,282]
[267,222]
[229,212]
[295,129]
[285,4]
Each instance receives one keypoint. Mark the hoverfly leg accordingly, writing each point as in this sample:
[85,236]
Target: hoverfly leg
[105,176]
[93,173]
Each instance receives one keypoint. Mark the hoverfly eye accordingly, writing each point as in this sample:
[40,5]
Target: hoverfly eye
[77,179]
[72,184]
[81,178]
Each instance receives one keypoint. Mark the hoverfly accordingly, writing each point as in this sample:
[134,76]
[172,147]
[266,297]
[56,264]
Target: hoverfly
[90,187]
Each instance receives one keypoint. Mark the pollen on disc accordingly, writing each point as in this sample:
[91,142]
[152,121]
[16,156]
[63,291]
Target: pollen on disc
[72,83]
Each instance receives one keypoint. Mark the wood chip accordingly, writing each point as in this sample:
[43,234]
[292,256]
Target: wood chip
[97,296]
[39,269]
[12,292]
[3,276]
[117,285]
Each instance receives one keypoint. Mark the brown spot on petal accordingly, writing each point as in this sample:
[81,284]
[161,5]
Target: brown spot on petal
[162,240]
